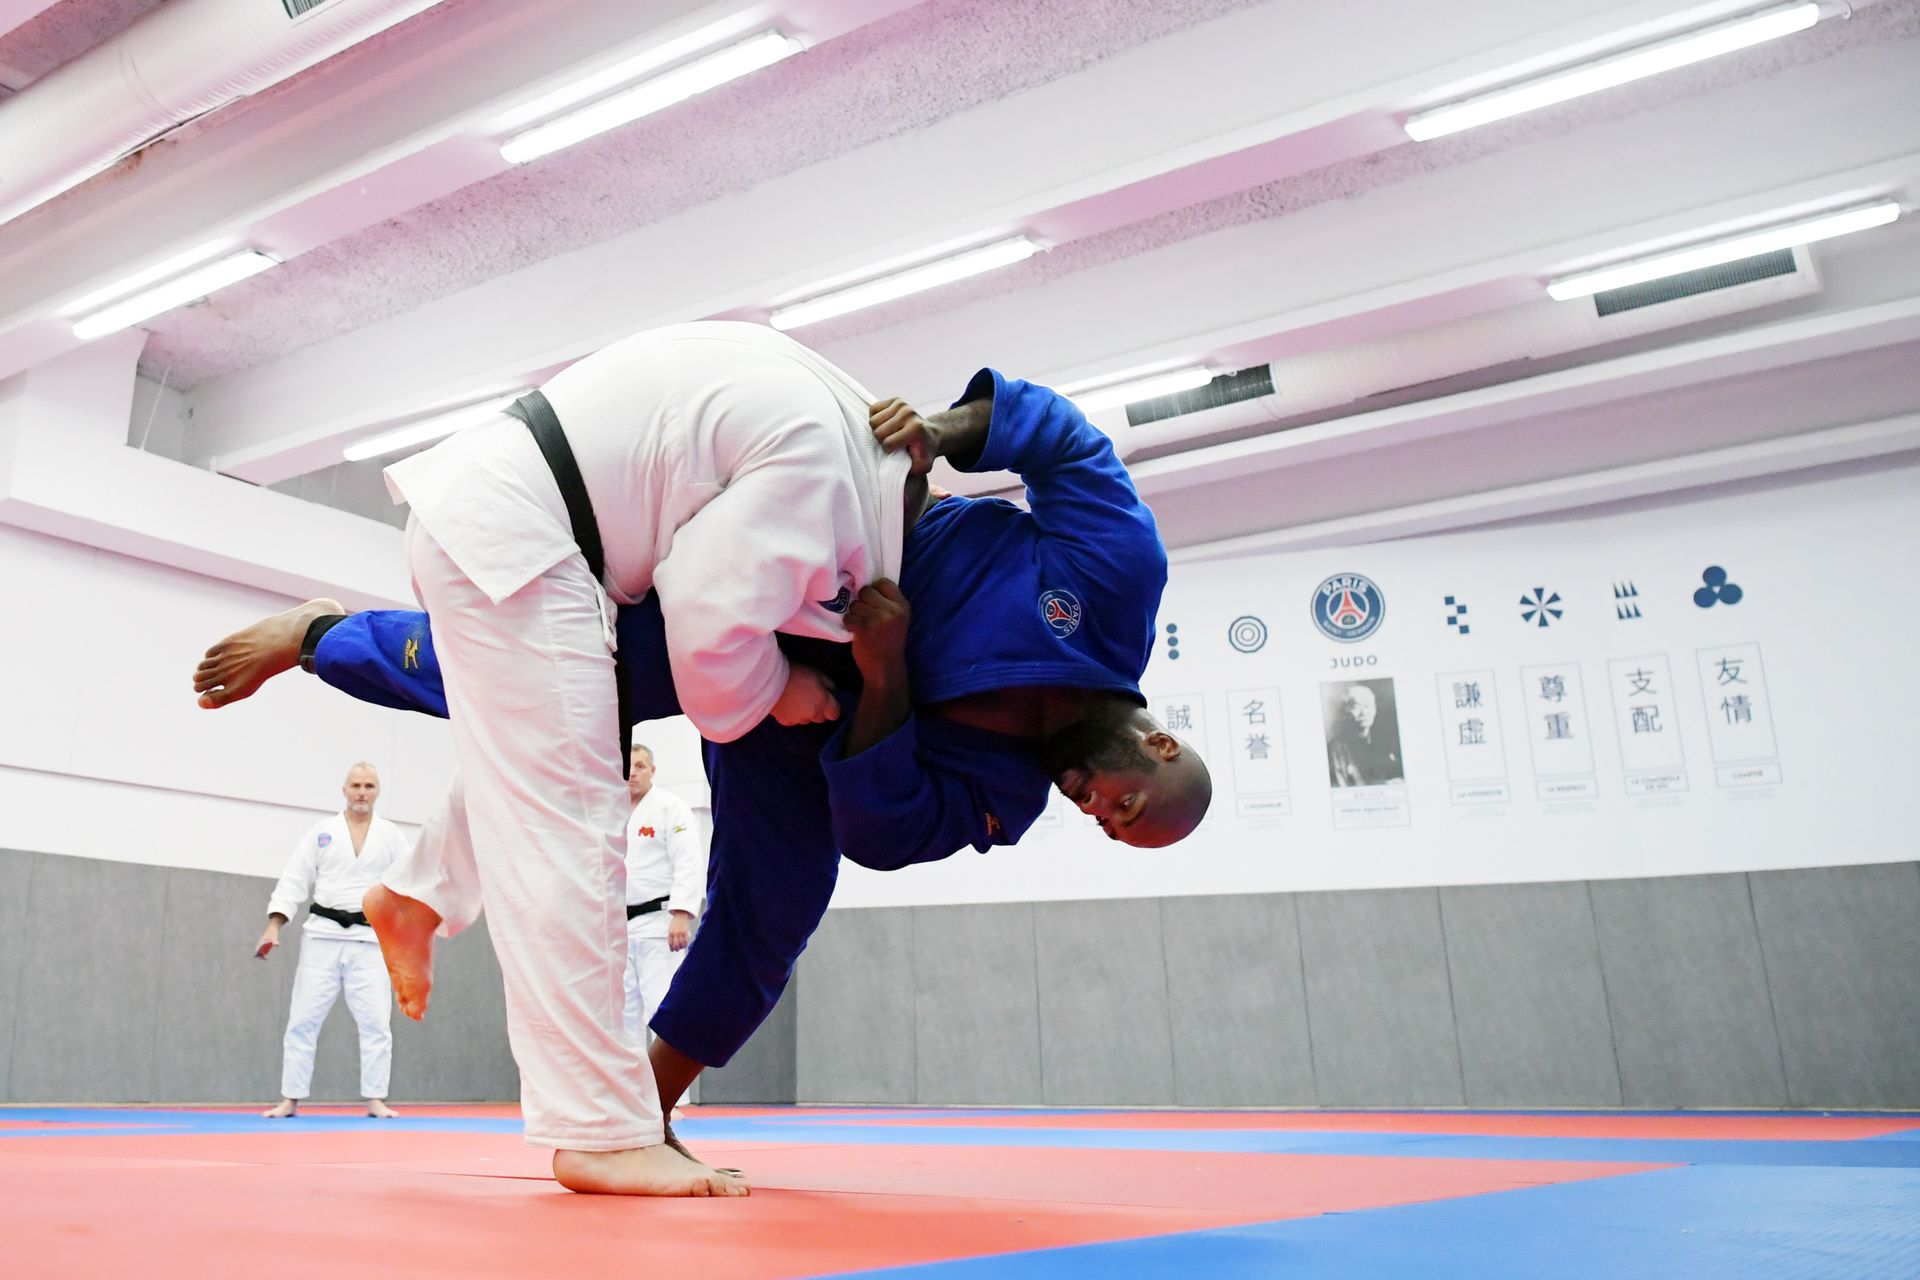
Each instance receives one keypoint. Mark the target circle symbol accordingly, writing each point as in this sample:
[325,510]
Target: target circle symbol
[1247,634]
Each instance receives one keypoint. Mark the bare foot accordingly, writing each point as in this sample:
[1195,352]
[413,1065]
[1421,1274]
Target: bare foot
[405,928]
[641,1171]
[379,1110]
[251,656]
[286,1108]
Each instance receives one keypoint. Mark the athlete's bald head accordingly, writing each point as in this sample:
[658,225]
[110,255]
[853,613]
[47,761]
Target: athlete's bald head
[1143,785]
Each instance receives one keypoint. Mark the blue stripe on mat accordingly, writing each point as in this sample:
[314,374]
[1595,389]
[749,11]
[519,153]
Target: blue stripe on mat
[1673,1224]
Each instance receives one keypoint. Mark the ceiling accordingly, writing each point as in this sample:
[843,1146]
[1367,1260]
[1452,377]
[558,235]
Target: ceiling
[1215,179]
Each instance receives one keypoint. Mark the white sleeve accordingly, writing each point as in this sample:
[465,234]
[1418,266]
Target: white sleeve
[295,887]
[740,569]
[687,852]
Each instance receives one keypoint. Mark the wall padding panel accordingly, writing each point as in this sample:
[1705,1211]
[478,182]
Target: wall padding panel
[1692,1022]
[1105,1037]
[1238,1001]
[1378,1001]
[976,1009]
[1842,948]
[1529,999]
[856,1043]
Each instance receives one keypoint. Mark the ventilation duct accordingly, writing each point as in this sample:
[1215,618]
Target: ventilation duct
[181,61]
[1340,377]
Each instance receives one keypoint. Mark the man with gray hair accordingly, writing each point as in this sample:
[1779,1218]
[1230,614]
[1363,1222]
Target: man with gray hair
[333,866]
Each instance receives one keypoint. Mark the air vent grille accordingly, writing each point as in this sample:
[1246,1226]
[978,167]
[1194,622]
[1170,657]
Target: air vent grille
[1228,388]
[1762,266]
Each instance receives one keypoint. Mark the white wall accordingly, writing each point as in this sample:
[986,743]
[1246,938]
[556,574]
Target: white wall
[1826,560]
[104,754]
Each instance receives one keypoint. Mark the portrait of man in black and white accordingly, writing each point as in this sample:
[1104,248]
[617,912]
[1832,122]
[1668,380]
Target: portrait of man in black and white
[1363,733]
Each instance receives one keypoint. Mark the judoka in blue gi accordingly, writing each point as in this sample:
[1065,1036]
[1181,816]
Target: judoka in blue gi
[1007,659]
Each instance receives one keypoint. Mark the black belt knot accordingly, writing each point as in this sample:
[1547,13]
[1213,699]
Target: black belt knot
[345,919]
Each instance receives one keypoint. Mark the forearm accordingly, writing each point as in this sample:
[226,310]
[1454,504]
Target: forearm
[962,431]
[885,703]
[276,918]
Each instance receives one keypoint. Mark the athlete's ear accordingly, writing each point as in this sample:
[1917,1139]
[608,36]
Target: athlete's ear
[1162,746]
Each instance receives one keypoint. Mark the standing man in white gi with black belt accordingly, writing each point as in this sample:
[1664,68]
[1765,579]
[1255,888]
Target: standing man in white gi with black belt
[730,471]
[666,884]
[332,868]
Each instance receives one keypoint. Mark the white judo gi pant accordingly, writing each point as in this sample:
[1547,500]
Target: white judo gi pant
[651,965]
[329,966]
[541,809]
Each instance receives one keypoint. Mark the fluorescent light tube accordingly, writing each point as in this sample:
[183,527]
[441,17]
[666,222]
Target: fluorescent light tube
[1620,68]
[436,427]
[173,266]
[929,275]
[1108,393]
[1675,262]
[197,283]
[652,95]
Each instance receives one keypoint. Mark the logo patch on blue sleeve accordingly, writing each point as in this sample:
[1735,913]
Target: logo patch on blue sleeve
[1060,611]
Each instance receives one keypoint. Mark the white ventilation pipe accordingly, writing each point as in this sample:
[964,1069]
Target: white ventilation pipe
[184,59]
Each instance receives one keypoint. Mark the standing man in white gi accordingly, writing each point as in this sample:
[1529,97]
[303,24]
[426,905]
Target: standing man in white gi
[332,868]
[666,884]
[733,473]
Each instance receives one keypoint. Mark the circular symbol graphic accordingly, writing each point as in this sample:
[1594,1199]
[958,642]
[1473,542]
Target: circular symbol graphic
[1247,634]
[1348,607]
[1717,589]
[1060,611]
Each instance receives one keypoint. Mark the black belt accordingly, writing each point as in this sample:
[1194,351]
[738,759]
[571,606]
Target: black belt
[534,410]
[635,909]
[345,919]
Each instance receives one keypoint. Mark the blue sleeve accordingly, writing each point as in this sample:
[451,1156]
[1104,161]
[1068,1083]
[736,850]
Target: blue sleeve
[893,807]
[386,657]
[1092,522]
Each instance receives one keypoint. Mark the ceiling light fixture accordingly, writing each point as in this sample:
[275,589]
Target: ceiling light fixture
[1614,69]
[1673,262]
[915,279]
[650,95]
[181,289]
[1134,386]
[429,429]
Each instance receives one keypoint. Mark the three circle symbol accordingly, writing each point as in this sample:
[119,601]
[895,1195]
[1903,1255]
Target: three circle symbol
[1247,634]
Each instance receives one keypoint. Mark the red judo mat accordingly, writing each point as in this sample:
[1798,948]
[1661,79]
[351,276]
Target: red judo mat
[453,1190]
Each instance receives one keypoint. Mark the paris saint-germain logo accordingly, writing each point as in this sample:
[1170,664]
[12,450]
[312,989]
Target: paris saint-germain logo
[1348,607]
[1060,611]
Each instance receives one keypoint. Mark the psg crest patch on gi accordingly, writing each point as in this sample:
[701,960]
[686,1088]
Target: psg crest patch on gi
[841,601]
[1060,611]
[324,839]
[1348,607]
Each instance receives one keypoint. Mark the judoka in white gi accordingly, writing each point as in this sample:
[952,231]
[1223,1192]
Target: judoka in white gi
[332,867]
[666,884]
[732,472]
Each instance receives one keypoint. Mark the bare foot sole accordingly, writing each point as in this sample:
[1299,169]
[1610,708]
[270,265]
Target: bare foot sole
[286,1108]
[237,666]
[673,1140]
[379,1110]
[405,928]
[641,1171]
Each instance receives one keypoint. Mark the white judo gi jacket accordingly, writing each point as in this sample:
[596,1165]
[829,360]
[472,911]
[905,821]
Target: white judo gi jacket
[323,869]
[666,858]
[731,470]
